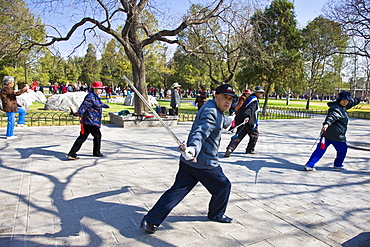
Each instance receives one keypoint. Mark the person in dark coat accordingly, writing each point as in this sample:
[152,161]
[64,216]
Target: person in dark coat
[334,131]
[201,98]
[247,113]
[90,112]
[11,107]
[199,163]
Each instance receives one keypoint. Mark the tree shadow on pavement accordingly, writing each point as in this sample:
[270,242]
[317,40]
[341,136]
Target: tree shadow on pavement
[72,214]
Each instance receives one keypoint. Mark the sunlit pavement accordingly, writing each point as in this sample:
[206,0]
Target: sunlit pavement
[48,200]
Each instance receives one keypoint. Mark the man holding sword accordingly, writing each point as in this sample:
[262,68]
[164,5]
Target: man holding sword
[199,163]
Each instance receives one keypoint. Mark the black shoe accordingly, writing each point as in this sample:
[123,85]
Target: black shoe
[99,155]
[147,226]
[228,152]
[251,152]
[222,219]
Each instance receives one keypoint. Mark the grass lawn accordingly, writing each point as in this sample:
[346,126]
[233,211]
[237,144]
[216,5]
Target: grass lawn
[37,116]
[317,105]
[189,108]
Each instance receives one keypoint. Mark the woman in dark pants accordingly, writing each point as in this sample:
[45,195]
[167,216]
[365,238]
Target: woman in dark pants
[91,114]
[247,113]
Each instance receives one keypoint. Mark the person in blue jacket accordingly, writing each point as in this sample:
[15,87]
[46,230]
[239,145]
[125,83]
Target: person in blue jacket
[334,131]
[90,112]
[199,163]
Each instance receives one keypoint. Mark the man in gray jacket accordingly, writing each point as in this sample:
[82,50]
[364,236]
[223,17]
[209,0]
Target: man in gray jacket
[175,98]
[199,163]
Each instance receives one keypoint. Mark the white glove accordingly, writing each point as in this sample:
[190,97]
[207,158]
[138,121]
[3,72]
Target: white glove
[232,117]
[189,153]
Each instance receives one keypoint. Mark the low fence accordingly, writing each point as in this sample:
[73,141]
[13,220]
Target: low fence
[272,112]
[49,118]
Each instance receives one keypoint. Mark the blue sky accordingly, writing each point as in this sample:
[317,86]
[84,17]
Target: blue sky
[306,10]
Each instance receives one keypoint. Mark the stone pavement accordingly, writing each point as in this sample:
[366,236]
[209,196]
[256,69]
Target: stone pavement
[47,200]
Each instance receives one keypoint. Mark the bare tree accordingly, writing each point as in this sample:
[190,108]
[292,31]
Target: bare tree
[218,43]
[354,16]
[135,34]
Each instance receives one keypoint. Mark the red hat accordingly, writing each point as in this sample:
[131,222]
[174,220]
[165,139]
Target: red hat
[97,84]
[247,91]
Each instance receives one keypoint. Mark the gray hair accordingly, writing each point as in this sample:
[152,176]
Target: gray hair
[8,79]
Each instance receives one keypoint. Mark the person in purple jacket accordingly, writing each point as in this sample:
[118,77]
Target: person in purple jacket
[90,112]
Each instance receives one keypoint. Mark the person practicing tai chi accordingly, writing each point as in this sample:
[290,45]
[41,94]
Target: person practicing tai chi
[90,112]
[334,131]
[199,163]
[247,113]
[10,106]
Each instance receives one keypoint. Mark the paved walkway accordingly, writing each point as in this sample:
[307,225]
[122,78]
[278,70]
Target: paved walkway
[47,200]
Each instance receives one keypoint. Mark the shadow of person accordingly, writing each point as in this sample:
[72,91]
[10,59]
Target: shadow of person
[42,151]
[361,240]
[259,162]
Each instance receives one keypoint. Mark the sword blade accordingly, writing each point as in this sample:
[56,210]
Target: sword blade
[154,112]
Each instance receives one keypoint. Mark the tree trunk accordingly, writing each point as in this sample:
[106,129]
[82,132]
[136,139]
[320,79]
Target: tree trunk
[308,99]
[267,91]
[138,72]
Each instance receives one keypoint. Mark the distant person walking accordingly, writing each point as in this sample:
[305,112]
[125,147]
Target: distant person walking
[201,96]
[199,163]
[247,113]
[90,112]
[108,91]
[10,105]
[334,131]
[175,98]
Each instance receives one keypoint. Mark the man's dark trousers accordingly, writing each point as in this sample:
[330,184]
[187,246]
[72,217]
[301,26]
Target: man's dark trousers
[85,131]
[187,177]
[242,132]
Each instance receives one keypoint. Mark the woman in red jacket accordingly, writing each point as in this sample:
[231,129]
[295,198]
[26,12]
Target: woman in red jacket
[90,112]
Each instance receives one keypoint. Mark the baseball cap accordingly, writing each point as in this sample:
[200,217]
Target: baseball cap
[226,89]
[259,89]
